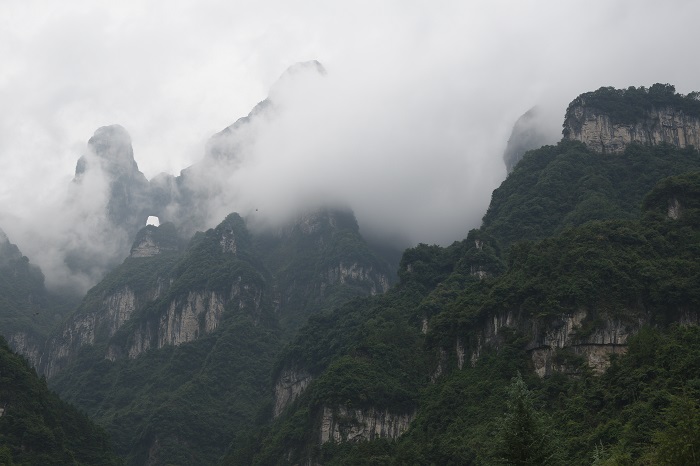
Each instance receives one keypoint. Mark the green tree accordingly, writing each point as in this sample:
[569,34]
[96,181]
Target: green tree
[525,436]
[679,442]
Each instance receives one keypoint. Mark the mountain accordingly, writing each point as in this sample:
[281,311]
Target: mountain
[110,200]
[563,331]
[527,134]
[191,200]
[187,334]
[583,278]
[36,427]
[191,314]
[28,311]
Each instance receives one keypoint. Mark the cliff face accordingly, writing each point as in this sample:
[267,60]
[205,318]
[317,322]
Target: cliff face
[163,306]
[289,385]
[341,424]
[98,324]
[600,132]
[548,336]
[187,318]
[26,344]
[163,296]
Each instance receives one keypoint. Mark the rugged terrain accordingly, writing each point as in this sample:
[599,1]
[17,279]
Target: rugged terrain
[576,300]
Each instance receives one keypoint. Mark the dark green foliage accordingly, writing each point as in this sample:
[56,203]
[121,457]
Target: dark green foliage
[568,231]
[36,427]
[308,259]
[184,405]
[164,236]
[188,400]
[556,187]
[525,436]
[26,306]
[636,264]
[678,442]
[363,354]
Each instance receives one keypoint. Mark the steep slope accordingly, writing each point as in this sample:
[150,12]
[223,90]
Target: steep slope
[36,427]
[568,184]
[404,362]
[109,201]
[417,376]
[179,337]
[28,311]
[192,199]
[320,260]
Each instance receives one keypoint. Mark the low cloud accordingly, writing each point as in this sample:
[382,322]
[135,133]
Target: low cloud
[408,127]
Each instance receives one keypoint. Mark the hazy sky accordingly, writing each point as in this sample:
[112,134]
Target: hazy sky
[411,125]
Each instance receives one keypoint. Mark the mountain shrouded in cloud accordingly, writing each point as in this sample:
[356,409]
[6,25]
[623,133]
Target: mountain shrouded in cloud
[528,133]
[316,141]
[320,140]
[407,128]
[88,226]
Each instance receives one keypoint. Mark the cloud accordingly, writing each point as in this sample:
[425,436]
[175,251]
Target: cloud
[408,127]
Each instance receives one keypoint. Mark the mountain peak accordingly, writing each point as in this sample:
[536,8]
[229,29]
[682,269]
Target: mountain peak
[112,147]
[311,66]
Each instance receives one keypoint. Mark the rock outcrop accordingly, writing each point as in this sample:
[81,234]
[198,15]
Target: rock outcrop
[608,120]
[549,335]
[600,133]
[96,324]
[26,344]
[340,424]
[345,273]
[129,196]
[290,384]
[154,240]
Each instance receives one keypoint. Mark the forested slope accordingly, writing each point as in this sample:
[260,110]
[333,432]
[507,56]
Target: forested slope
[609,287]
[36,427]
[172,352]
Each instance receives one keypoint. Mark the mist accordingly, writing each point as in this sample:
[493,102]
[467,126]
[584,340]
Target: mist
[407,127]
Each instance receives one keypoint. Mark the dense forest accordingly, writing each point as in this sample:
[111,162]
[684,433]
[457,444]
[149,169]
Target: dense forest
[36,427]
[563,331]
[635,265]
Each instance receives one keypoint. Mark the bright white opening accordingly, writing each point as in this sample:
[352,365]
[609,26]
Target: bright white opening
[153,220]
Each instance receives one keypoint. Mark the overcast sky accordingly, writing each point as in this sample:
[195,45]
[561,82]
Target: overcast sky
[420,100]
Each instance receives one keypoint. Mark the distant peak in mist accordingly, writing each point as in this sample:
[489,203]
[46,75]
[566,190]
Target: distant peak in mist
[112,147]
[228,143]
[313,66]
[529,132]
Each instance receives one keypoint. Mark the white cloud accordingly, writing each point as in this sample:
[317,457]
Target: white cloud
[409,127]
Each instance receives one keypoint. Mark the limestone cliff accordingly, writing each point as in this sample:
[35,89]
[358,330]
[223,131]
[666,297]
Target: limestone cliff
[289,385]
[27,344]
[341,424]
[546,336]
[600,133]
[151,241]
[187,318]
[163,295]
[164,304]
[95,324]
[609,120]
